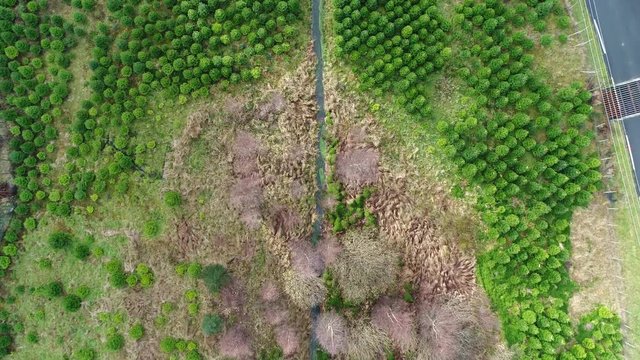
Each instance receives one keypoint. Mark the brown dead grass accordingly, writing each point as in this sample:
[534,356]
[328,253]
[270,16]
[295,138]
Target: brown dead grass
[592,260]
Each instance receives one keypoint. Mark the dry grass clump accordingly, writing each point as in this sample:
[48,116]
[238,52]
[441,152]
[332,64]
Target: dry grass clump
[236,343]
[288,339]
[304,291]
[329,249]
[452,329]
[269,292]
[356,168]
[397,320]
[366,267]
[366,342]
[391,206]
[306,259]
[274,104]
[284,221]
[332,333]
[437,267]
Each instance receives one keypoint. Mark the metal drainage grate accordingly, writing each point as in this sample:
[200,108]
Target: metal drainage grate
[622,100]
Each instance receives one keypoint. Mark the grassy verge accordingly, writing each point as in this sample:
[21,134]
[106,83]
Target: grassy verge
[627,216]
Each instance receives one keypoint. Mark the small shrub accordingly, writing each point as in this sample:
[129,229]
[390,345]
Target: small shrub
[85,354]
[215,277]
[115,342]
[194,270]
[136,332]
[193,309]
[151,228]
[181,269]
[72,303]
[83,292]
[167,308]
[53,289]
[212,324]
[60,240]
[172,199]
[32,337]
[81,251]
[132,280]
[546,40]
[168,345]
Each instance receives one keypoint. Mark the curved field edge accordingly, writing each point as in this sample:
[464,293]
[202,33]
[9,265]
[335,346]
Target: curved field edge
[513,331]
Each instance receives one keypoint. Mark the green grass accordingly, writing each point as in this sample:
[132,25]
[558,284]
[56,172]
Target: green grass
[61,333]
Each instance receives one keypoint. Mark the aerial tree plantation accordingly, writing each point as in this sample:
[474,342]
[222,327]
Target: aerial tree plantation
[346,179]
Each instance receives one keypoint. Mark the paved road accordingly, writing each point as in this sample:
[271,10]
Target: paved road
[632,128]
[619,24]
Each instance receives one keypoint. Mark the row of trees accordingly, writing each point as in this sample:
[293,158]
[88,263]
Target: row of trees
[394,45]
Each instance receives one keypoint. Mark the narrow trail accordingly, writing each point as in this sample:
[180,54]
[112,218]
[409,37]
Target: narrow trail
[316,33]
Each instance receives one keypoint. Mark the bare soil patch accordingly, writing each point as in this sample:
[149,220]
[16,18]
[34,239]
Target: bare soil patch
[357,168]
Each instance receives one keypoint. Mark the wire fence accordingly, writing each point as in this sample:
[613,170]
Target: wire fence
[613,147]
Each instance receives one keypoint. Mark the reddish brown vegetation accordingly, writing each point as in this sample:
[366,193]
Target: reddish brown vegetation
[269,292]
[329,249]
[396,319]
[236,343]
[288,339]
[306,259]
[6,190]
[331,332]
[246,193]
[276,314]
